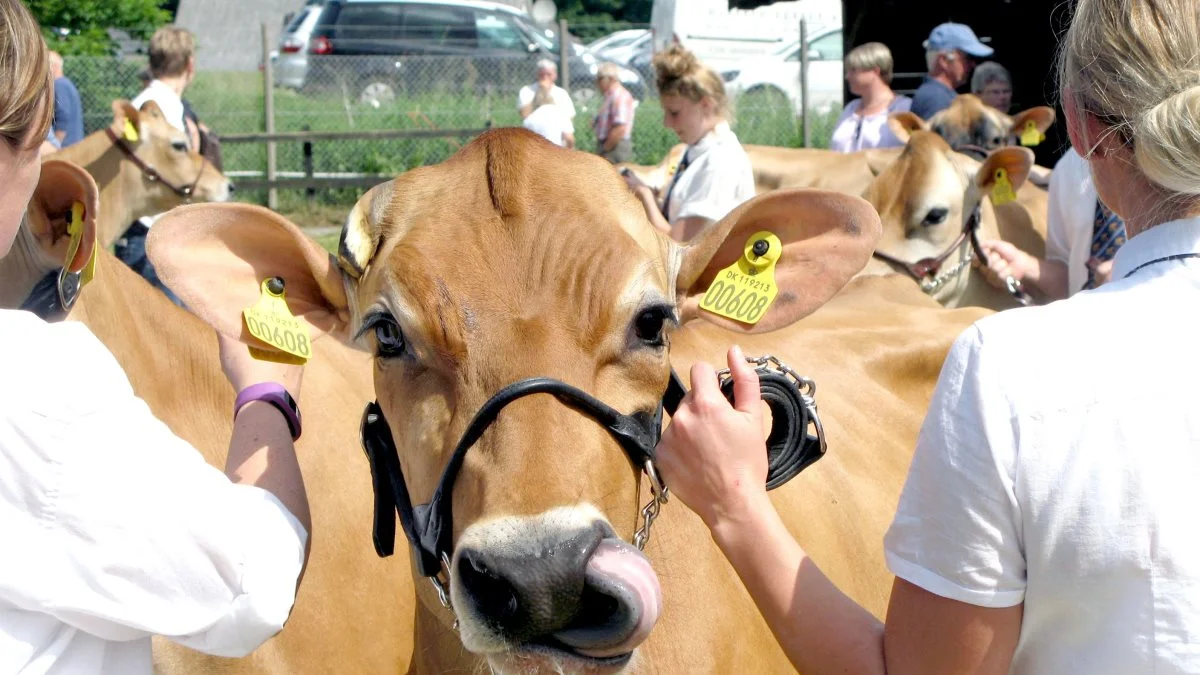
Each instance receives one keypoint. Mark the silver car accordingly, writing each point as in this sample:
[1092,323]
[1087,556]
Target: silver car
[291,58]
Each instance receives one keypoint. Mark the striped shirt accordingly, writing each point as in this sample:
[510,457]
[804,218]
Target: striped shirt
[617,109]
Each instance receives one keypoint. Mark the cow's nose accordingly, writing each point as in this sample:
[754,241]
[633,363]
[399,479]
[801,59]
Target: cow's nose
[588,593]
[232,188]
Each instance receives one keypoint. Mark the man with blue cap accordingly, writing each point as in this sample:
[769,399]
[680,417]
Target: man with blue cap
[950,53]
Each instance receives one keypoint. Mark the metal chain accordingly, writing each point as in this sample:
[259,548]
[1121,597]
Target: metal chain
[658,497]
[931,286]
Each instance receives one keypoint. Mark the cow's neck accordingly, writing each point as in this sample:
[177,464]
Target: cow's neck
[437,648]
[150,336]
[122,195]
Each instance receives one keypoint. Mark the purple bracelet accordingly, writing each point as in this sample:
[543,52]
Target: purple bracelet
[275,394]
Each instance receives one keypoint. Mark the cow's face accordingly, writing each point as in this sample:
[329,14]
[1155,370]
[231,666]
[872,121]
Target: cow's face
[969,125]
[517,259]
[927,195]
[165,148]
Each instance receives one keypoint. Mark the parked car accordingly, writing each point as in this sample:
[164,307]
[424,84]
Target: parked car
[291,60]
[619,47]
[773,82]
[375,50]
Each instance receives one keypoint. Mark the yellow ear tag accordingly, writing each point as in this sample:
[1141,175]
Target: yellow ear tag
[131,132]
[745,290]
[1032,135]
[89,270]
[1002,190]
[271,321]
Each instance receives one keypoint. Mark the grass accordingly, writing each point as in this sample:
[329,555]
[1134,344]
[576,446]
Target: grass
[329,241]
[232,103]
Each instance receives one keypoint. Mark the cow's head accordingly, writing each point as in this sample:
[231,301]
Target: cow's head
[517,259]
[926,197]
[970,125]
[44,244]
[165,149]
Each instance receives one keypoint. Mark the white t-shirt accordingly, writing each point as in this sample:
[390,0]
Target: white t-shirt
[718,178]
[113,528]
[1072,217]
[560,96]
[550,122]
[1059,467]
[168,101]
[853,132]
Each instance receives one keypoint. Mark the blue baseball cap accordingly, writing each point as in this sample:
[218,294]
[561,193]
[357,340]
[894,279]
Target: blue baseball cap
[957,36]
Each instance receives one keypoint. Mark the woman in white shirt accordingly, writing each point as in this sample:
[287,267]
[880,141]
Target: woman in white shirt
[714,176]
[114,529]
[863,124]
[1048,522]
[549,120]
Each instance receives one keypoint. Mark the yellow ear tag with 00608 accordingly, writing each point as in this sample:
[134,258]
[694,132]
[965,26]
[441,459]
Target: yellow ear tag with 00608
[1031,136]
[89,270]
[271,321]
[131,132]
[745,290]
[1002,189]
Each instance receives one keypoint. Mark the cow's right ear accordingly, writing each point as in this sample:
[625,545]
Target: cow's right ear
[903,124]
[214,257]
[127,121]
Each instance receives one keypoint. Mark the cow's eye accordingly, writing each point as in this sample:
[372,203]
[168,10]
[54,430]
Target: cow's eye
[179,146]
[651,324]
[935,217]
[997,142]
[389,339]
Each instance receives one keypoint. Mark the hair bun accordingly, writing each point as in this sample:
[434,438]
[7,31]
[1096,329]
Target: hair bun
[1167,141]
[674,63]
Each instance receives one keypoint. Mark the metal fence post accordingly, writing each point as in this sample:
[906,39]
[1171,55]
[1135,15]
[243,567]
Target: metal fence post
[804,125]
[269,114]
[310,192]
[564,54]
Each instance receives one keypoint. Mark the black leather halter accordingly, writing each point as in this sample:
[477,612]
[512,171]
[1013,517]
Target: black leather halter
[185,192]
[429,527]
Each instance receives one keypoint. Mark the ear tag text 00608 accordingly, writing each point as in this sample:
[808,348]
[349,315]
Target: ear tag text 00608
[1002,189]
[271,321]
[1031,136]
[745,290]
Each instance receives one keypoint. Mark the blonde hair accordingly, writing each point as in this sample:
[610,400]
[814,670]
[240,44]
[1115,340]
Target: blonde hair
[610,70]
[1132,65]
[170,50]
[26,87]
[872,55]
[679,73]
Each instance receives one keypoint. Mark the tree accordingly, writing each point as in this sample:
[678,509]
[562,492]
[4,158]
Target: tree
[81,26]
[593,18]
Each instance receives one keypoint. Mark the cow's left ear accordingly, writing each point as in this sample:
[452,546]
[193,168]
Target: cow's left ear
[826,239]
[903,124]
[1016,162]
[1041,116]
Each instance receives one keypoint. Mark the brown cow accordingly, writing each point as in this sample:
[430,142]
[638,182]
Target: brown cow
[349,597]
[131,191]
[502,264]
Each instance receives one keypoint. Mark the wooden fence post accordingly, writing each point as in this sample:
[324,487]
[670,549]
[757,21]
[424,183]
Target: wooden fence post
[804,122]
[564,55]
[269,115]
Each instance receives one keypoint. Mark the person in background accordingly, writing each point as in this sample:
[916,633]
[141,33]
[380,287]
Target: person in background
[863,124]
[714,176]
[1082,237]
[1047,523]
[116,530]
[547,76]
[950,54]
[614,123]
[550,121]
[68,107]
[993,84]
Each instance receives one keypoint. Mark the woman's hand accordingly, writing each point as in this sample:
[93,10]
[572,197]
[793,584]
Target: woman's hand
[635,184]
[713,456]
[243,370]
[1007,261]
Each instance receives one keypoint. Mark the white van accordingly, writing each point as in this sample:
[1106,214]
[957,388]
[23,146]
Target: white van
[723,38]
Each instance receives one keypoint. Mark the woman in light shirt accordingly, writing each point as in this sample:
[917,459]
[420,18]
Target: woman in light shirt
[863,124]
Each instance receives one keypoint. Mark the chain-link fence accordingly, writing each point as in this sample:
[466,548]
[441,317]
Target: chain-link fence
[459,88]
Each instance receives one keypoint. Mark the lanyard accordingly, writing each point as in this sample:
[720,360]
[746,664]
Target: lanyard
[1178,256]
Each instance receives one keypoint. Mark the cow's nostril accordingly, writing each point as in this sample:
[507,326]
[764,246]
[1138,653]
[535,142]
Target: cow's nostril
[493,595]
[232,188]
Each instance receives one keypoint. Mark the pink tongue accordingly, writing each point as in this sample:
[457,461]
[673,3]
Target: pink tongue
[623,564]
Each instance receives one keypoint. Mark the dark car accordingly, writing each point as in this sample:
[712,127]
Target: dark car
[374,50]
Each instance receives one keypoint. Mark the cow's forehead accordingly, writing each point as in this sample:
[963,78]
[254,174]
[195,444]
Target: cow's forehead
[515,228]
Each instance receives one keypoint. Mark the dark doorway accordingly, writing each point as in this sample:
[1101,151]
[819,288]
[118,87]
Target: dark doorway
[1024,34]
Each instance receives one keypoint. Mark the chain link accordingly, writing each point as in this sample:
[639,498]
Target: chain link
[931,286]
[658,497]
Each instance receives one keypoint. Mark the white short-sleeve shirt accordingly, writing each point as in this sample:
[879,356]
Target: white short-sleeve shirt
[718,178]
[854,132]
[113,528]
[550,122]
[1059,467]
[168,101]
[560,96]
[1071,218]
